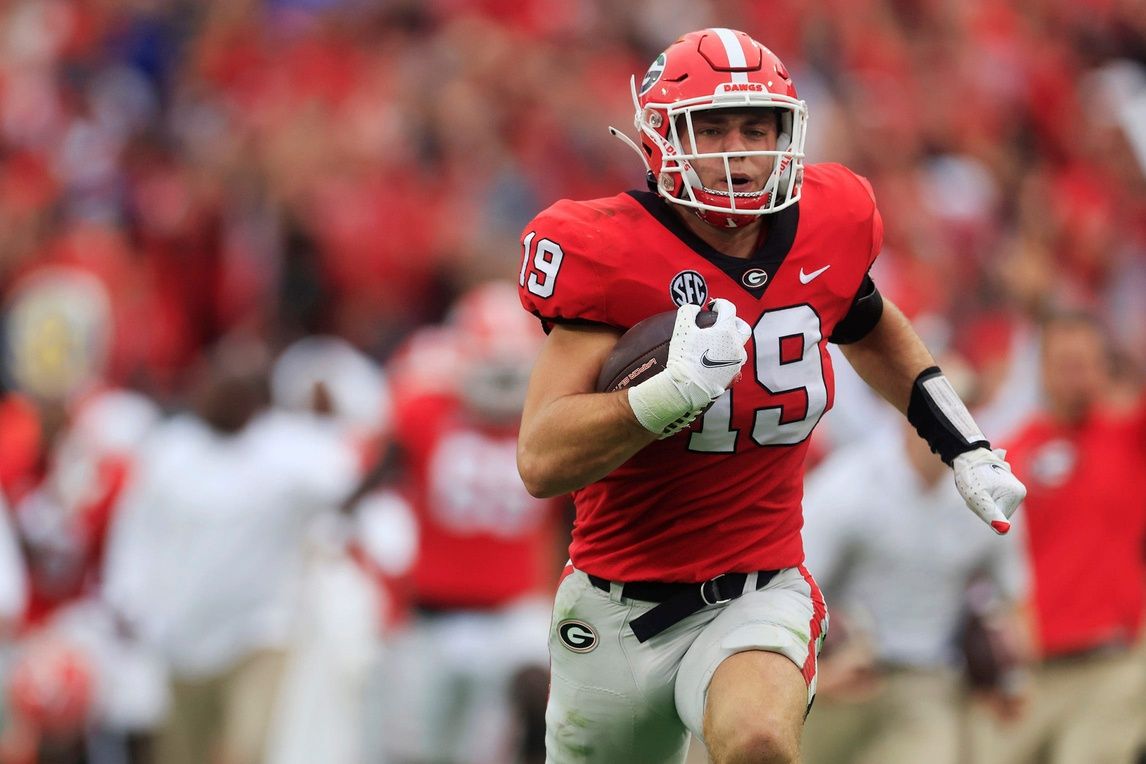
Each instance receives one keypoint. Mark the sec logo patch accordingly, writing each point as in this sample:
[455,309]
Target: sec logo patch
[577,636]
[688,287]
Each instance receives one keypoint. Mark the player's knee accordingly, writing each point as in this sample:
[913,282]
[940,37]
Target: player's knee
[758,743]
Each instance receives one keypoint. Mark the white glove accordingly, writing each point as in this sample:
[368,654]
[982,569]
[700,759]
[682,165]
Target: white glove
[985,482]
[702,363]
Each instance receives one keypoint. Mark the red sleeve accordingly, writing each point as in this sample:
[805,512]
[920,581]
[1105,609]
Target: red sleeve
[560,279]
[876,235]
[876,221]
[1140,420]
[20,444]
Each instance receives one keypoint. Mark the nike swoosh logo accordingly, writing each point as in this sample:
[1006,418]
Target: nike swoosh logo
[806,278]
[711,364]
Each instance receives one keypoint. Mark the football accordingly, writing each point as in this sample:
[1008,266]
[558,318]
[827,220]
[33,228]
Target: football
[642,351]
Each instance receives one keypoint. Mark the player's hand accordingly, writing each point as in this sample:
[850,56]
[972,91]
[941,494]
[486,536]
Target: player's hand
[702,363]
[705,361]
[985,482]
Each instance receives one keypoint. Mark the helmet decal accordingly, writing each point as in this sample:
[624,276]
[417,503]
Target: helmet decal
[653,74]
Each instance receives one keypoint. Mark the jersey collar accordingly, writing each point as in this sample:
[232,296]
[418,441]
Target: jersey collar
[769,254]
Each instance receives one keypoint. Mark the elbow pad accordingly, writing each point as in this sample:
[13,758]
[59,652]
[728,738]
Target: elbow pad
[862,316]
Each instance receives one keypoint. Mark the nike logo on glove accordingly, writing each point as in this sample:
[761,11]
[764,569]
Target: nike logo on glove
[711,364]
[806,278]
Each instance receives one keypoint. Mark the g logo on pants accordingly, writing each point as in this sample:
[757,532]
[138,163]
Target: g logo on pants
[577,636]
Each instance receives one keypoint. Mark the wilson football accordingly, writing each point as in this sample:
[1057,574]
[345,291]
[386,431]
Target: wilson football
[642,351]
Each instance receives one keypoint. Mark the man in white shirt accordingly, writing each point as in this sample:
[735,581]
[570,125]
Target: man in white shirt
[207,555]
[885,535]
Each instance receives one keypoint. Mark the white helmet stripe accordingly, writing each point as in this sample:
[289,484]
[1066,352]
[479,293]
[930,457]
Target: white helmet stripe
[735,53]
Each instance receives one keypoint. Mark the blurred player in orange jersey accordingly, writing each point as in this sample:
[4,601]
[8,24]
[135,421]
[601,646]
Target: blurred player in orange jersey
[488,551]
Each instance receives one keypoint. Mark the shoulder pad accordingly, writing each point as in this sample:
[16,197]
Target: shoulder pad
[569,253]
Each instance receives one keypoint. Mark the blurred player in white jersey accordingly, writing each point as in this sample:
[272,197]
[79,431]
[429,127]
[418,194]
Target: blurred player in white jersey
[459,674]
[324,383]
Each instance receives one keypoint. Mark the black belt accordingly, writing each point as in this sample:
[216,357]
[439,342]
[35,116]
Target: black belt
[679,601]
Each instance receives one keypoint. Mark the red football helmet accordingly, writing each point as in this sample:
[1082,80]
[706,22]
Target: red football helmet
[717,69]
[52,685]
[499,343]
[58,332]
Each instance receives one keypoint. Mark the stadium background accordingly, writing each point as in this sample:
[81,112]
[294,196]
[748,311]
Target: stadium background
[273,170]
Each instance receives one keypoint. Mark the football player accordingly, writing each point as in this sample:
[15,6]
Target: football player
[460,675]
[68,445]
[686,607]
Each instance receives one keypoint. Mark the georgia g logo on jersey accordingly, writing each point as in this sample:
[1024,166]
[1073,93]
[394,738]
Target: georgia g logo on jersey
[688,288]
[754,277]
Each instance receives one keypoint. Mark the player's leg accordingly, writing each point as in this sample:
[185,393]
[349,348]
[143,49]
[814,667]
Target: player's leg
[189,733]
[1020,740]
[249,699]
[525,677]
[529,692]
[745,684]
[484,651]
[839,727]
[1101,723]
[421,692]
[920,720]
[755,709]
[610,697]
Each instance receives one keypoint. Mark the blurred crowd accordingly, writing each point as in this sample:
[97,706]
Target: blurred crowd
[291,166]
[252,240]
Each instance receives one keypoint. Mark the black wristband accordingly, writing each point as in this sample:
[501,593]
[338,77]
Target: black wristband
[941,418]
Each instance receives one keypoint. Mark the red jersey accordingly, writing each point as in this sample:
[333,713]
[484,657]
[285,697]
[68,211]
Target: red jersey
[726,495]
[1085,514]
[63,495]
[483,541]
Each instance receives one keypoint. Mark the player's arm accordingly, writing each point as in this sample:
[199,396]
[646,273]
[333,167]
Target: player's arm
[572,436]
[890,356]
[893,360]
